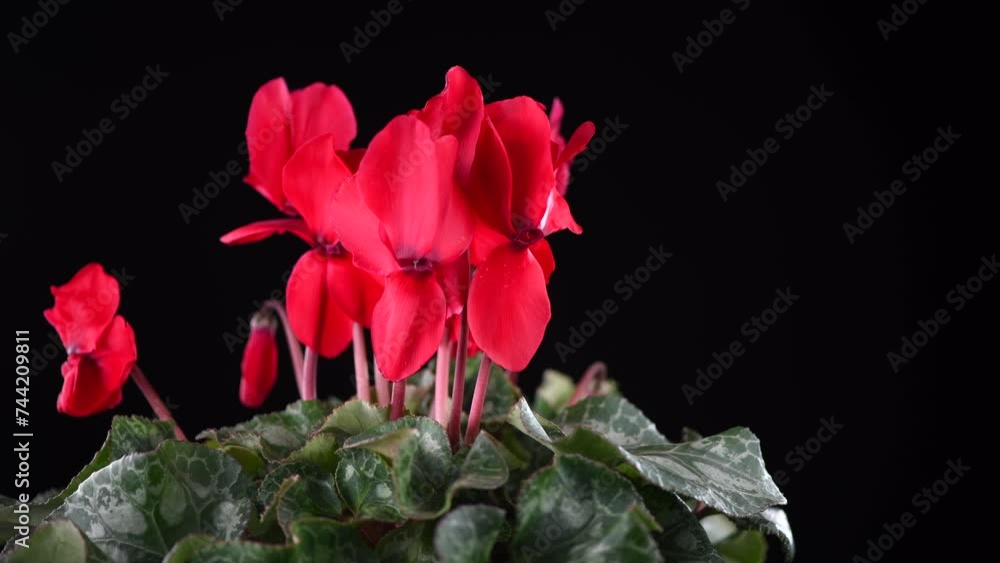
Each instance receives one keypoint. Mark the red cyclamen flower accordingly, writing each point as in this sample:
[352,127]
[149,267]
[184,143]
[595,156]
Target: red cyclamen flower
[260,361]
[100,344]
[516,196]
[326,292]
[281,121]
[405,219]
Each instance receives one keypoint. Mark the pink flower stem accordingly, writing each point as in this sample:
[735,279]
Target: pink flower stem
[294,347]
[361,364]
[398,399]
[590,383]
[153,398]
[309,365]
[478,399]
[441,378]
[382,388]
[458,389]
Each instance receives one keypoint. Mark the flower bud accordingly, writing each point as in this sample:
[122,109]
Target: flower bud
[260,361]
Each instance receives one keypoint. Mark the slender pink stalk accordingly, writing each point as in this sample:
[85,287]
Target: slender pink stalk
[382,390]
[398,399]
[361,364]
[309,365]
[590,383]
[153,398]
[458,389]
[440,411]
[478,399]
[294,347]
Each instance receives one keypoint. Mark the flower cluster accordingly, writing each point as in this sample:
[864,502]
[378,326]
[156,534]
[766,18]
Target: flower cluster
[395,229]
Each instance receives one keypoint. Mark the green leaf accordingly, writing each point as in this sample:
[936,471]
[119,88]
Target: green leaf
[467,534]
[690,434]
[615,418]
[320,450]
[275,435]
[314,539]
[364,480]
[683,540]
[425,475]
[320,539]
[184,550]
[308,497]
[249,459]
[554,393]
[353,418]
[774,522]
[725,471]
[412,543]
[58,541]
[532,425]
[744,547]
[583,512]
[136,508]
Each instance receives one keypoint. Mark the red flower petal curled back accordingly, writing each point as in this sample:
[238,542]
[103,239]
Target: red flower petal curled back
[281,121]
[406,219]
[327,293]
[101,344]
[515,192]
[457,111]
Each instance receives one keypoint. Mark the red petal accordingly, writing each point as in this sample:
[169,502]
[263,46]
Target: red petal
[260,230]
[543,253]
[457,110]
[313,313]
[400,180]
[509,307]
[359,229]
[577,143]
[484,241]
[454,280]
[489,186]
[259,367]
[524,129]
[558,216]
[84,306]
[92,383]
[269,139]
[455,230]
[408,323]
[319,109]
[312,178]
[555,122]
[355,290]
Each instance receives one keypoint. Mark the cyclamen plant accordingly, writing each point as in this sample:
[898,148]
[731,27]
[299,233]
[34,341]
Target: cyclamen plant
[434,239]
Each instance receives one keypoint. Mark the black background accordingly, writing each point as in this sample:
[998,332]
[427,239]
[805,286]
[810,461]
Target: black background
[654,185]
